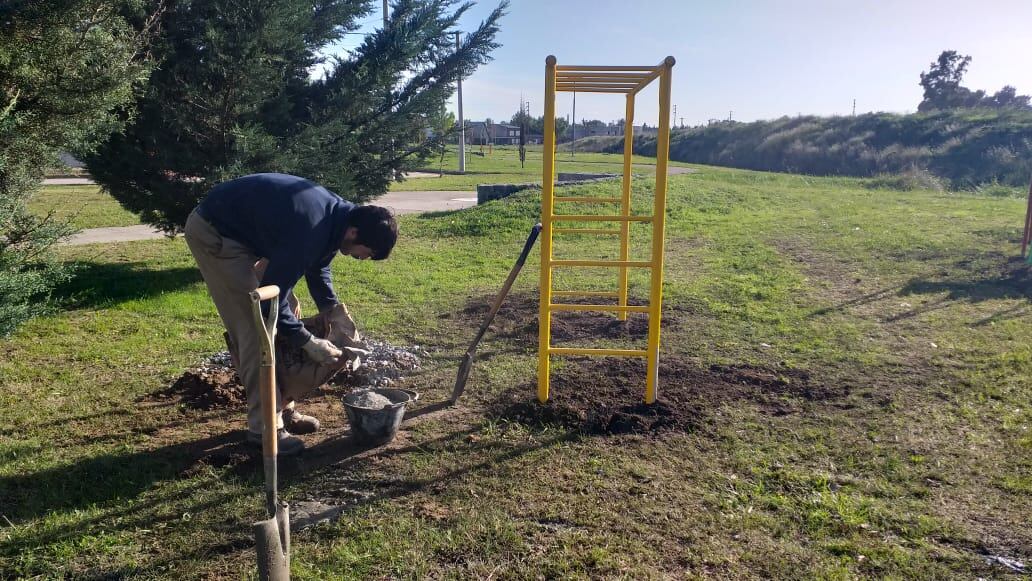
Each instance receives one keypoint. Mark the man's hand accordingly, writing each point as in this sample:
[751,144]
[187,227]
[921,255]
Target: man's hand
[322,351]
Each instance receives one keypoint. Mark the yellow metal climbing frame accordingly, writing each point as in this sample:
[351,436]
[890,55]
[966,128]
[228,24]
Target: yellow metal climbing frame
[604,79]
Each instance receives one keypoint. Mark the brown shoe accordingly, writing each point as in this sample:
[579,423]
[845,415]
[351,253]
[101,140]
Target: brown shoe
[286,444]
[296,422]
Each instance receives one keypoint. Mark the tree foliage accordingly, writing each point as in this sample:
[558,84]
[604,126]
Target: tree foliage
[536,125]
[234,95]
[66,67]
[943,91]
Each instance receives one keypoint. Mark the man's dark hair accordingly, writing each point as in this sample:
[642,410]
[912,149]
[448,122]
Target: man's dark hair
[377,229]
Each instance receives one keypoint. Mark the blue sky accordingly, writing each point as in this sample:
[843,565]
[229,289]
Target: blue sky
[759,59]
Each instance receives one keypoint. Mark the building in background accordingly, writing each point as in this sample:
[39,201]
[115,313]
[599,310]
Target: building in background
[481,133]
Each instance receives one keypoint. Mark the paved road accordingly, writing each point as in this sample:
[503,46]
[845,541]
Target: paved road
[67,181]
[399,202]
[429,201]
[114,234]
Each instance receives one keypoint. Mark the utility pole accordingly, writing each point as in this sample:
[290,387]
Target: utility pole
[682,122]
[854,107]
[574,126]
[462,125]
[675,115]
[385,14]
[729,113]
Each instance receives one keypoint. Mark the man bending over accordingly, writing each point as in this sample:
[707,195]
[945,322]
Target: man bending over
[268,229]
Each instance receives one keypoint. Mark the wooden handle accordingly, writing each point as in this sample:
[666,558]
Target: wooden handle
[265,293]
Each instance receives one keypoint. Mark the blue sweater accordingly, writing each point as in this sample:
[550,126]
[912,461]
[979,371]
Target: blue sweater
[296,224]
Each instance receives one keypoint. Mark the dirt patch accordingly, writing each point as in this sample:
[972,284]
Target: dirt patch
[518,318]
[208,387]
[604,396]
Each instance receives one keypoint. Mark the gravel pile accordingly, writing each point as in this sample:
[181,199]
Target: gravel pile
[371,400]
[385,365]
[220,359]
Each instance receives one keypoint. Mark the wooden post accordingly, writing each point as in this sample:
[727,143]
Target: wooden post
[1028,222]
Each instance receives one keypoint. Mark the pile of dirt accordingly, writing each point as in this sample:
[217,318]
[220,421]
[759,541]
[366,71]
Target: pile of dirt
[605,396]
[214,384]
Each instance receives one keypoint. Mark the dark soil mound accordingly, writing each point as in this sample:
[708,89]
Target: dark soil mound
[518,318]
[605,396]
[208,388]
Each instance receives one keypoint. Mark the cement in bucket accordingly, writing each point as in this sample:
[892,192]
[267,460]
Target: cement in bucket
[376,427]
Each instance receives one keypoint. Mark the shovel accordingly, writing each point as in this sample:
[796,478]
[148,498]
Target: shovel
[467,360]
[272,535]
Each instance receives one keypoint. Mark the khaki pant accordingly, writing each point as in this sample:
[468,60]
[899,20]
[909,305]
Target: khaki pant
[231,271]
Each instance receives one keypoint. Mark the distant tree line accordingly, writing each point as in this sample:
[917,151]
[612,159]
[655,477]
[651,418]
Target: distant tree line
[943,91]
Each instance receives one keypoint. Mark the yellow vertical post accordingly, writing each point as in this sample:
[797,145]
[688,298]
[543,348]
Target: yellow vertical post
[547,187]
[658,224]
[625,203]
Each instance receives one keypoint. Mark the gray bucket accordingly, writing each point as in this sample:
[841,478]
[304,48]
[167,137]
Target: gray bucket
[377,427]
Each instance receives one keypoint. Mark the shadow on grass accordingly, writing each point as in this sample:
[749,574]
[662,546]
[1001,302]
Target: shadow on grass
[123,490]
[991,276]
[1002,278]
[104,284]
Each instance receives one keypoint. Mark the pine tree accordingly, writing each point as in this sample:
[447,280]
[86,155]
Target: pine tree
[234,96]
[66,67]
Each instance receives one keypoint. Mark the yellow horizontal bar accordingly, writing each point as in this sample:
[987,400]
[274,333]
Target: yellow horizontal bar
[628,263]
[645,82]
[603,308]
[596,352]
[584,231]
[563,77]
[666,63]
[587,199]
[585,294]
[583,218]
[578,68]
[577,90]
[597,85]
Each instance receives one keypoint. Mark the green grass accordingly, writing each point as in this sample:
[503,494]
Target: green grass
[84,206]
[911,306]
[502,165]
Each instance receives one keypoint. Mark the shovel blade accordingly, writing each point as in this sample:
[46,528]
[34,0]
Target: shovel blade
[272,539]
[461,377]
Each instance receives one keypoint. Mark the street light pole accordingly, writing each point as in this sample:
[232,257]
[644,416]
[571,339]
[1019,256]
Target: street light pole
[462,125]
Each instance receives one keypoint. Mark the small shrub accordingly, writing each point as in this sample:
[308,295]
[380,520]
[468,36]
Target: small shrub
[912,179]
[995,189]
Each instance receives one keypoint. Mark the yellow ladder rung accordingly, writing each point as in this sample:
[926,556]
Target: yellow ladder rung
[588,199]
[583,218]
[597,352]
[585,231]
[580,68]
[596,77]
[556,293]
[603,308]
[627,263]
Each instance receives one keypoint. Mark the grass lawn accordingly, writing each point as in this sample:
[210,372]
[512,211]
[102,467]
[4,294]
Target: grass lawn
[85,206]
[872,349]
[502,165]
